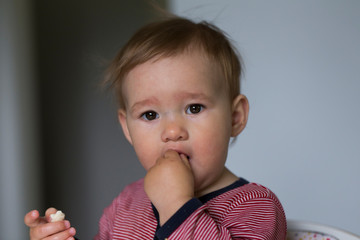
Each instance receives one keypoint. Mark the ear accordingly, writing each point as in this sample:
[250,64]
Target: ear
[123,123]
[240,113]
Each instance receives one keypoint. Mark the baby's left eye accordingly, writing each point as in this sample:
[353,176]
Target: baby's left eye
[194,109]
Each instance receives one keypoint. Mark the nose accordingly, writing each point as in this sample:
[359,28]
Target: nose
[174,130]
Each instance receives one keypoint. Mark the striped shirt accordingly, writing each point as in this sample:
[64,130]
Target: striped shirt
[240,211]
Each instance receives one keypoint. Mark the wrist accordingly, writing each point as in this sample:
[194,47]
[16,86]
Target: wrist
[168,208]
[178,218]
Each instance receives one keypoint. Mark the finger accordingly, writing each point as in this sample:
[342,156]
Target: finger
[51,229]
[32,219]
[185,159]
[48,212]
[64,235]
[186,162]
[171,154]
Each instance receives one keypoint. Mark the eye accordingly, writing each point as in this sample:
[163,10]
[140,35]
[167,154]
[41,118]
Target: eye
[194,109]
[150,115]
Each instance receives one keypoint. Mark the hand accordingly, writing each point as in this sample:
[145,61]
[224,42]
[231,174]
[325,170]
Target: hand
[169,184]
[42,228]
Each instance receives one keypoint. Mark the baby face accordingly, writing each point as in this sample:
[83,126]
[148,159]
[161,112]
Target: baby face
[179,103]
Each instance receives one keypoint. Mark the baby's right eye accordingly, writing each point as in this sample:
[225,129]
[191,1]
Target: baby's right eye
[150,115]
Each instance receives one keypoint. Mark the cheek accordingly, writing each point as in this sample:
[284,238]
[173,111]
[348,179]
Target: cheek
[144,148]
[213,141]
[215,130]
[145,157]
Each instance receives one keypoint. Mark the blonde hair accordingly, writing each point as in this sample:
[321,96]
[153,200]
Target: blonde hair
[171,37]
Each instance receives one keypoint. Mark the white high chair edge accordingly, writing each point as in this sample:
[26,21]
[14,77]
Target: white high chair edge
[306,226]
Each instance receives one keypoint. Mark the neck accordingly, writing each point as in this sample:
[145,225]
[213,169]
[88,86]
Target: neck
[225,179]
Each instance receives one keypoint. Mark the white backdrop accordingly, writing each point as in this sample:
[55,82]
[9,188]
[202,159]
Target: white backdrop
[302,79]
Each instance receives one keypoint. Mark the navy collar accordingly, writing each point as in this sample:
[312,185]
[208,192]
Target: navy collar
[236,184]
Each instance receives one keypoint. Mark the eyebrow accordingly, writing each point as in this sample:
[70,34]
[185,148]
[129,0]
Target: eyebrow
[145,102]
[188,95]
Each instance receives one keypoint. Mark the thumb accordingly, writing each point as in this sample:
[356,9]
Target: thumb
[32,219]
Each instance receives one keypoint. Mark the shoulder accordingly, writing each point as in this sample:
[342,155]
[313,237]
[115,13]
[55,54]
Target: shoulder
[251,197]
[251,205]
[248,192]
[136,187]
[131,192]
[255,191]
[131,195]
[126,207]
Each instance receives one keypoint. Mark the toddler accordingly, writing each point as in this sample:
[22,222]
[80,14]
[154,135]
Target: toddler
[178,88]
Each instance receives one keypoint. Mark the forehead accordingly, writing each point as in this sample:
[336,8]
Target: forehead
[184,70]
[180,66]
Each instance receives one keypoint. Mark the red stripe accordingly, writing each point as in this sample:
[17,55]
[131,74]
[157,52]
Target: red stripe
[249,212]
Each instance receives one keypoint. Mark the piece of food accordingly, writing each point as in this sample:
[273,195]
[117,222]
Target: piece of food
[58,216]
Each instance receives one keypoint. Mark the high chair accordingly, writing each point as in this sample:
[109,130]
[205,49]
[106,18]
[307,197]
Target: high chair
[301,230]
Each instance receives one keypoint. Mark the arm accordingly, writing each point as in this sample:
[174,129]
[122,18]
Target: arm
[105,222]
[258,217]
[169,184]
[252,214]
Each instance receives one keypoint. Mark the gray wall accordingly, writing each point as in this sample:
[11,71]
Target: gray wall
[83,161]
[20,186]
[302,79]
